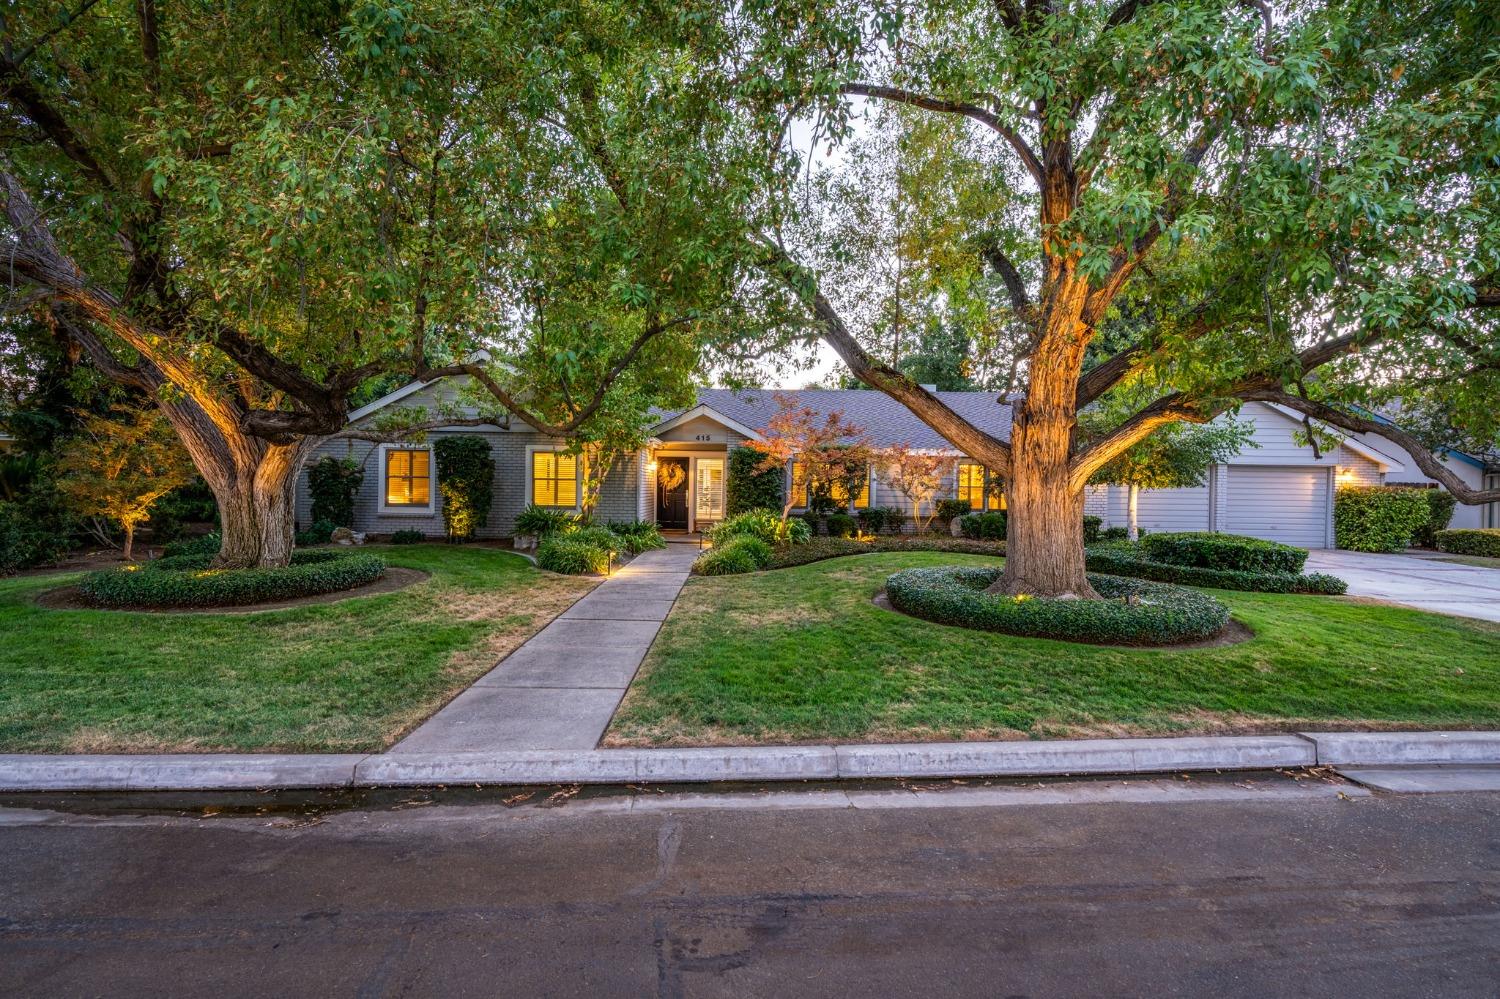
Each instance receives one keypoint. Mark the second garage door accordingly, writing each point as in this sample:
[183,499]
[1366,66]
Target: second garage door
[1290,505]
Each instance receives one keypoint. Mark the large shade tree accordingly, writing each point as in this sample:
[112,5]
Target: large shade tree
[1236,201]
[250,211]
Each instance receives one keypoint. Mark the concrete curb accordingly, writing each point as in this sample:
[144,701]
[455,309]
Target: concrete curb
[172,772]
[216,772]
[1405,748]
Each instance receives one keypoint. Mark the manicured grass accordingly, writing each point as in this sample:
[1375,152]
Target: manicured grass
[340,677]
[802,655]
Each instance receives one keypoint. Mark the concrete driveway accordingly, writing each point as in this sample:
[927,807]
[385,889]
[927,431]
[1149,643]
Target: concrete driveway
[1424,583]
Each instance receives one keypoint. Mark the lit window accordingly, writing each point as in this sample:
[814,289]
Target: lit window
[799,485]
[554,479]
[861,502]
[408,477]
[710,491]
[971,484]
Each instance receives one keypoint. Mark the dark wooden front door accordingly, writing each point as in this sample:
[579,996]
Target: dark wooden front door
[672,493]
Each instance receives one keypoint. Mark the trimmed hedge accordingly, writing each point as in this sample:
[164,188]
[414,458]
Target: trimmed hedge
[1130,611]
[572,554]
[320,533]
[1204,550]
[841,525]
[207,544]
[1091,527]
[984,526]
[466,481]
[187,580]
[1440,506]
[742,553]
[1378,518]
[746,489]
[1484,542]
[333,483]
[1125,560]
[787,556]
[408,536]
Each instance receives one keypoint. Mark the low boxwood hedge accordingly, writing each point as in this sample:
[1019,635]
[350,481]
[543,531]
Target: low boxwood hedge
[1127,560]
[1484,542]
[741,553]
[1206,550]
[187,580]
[1129,611]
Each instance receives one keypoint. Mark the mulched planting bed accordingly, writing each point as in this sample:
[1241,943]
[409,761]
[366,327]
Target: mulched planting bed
[786,555]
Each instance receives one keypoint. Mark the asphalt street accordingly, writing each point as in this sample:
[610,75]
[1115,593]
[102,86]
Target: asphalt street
[1261,886]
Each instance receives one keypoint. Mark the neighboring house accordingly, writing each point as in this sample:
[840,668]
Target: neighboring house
[1280,490]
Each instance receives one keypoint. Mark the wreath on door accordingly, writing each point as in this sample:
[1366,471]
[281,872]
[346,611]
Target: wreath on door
[670,477]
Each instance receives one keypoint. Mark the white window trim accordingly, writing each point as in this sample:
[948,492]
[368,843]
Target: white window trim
[529,484]
[405,509]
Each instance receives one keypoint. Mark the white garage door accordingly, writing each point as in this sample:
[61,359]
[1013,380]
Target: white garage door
[1162,510]
[1280,504]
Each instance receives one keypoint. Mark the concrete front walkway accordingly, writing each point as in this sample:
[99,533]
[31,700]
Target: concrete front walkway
[560,689]
[1424,583]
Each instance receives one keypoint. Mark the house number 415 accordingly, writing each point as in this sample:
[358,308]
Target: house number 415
[704,437]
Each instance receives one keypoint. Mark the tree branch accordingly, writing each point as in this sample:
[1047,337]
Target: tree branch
[1174,408]
[1003,266]
[989,451]
[14,85]
[1424,458]
[974,111]
[62,25]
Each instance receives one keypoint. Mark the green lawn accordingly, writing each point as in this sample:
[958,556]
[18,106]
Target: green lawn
[801,655]
[341,677]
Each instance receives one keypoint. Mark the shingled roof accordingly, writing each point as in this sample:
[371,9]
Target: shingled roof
[884,420]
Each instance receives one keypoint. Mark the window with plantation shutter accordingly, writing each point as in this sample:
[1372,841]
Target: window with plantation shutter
[408,477]
[554,479]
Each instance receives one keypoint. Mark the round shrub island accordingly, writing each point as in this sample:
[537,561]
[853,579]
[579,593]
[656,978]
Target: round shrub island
[1129,611]
[187,581]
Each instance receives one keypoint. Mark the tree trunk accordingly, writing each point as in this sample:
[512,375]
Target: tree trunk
[1044,522]
[129,528]
[253,480]
[1133,506]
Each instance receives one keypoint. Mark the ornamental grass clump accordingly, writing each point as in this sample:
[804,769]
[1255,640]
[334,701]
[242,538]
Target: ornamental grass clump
[1128,611]
[573,555]
[763,524]
[637,536]
[188,581]
[742,553]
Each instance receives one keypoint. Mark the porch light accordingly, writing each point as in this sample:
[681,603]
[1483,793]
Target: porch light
[1345,476]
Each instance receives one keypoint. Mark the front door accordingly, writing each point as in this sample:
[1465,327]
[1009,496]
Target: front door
[672,493]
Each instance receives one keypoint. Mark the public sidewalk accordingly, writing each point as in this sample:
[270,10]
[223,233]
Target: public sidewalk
[560,689]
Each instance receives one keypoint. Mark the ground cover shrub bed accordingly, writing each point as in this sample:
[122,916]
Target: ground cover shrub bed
[188,581]
[1128,611]
[1130,560]
[1484,542]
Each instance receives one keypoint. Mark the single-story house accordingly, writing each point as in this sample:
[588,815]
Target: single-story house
[1280,490]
